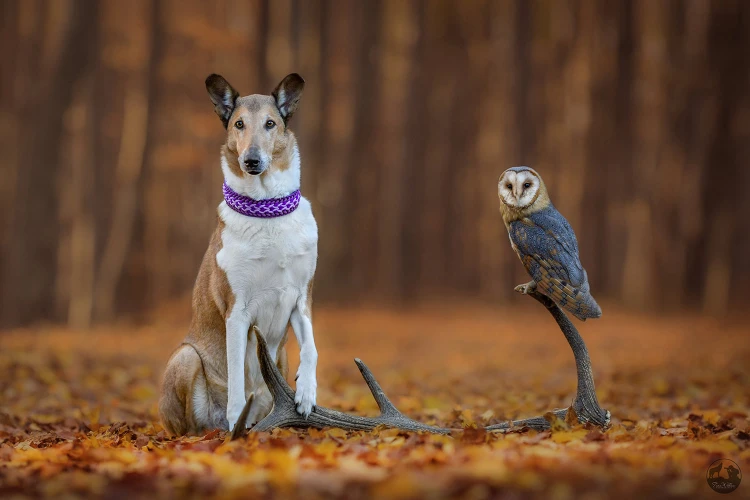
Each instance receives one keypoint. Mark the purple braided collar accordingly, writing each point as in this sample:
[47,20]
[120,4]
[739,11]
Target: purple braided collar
[274,207]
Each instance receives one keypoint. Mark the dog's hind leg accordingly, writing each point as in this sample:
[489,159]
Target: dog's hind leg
[184,403]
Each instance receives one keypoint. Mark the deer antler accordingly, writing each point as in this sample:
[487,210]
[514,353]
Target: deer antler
[284,412]
[585,404]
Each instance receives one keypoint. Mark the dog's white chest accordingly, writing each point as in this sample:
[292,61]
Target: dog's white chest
[268,263]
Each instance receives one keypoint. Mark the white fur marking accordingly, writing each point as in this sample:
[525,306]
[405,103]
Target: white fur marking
[308,354]
[267,294]
[237,326]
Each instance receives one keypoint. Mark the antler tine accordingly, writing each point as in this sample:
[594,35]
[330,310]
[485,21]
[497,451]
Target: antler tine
[384,404]
[239,426]
[389,414]
[271,374]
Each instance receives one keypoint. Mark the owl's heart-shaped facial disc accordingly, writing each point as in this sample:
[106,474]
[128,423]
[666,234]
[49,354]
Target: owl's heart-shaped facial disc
[518,187]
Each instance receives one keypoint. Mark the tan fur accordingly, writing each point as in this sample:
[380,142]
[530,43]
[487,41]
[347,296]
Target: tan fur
[232,160]
[309,298]
[283,359]
[281,160]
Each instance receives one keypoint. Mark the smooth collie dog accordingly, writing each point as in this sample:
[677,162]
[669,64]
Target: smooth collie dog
[258,271]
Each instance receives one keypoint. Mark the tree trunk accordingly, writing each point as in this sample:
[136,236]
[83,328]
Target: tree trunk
[64,53]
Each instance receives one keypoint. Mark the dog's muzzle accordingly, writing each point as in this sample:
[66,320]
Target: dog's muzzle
[252,161]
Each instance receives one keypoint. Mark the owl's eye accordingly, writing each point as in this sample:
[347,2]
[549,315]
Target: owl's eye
[239,124]
[526,185]
[509,186]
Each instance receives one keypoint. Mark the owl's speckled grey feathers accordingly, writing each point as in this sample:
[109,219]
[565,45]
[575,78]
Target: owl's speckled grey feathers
[545,242]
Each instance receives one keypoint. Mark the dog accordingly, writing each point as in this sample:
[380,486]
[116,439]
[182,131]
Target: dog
[257,272]
[713,471]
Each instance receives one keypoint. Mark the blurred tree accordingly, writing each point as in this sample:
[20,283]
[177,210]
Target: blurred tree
[54,46]
[636,112]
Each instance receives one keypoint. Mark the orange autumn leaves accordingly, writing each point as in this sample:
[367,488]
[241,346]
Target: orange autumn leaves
[78,417]
[128,459]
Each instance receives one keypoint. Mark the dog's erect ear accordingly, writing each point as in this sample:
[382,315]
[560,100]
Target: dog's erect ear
[222,95]
[288,94]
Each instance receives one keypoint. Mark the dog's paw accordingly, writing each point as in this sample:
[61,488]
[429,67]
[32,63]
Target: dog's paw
[306,394]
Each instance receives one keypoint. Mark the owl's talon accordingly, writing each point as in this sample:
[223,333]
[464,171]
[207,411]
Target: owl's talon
[526,288]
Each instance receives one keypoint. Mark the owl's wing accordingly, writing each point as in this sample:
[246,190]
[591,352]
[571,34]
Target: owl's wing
[546,240]
[558,228]
[547,246]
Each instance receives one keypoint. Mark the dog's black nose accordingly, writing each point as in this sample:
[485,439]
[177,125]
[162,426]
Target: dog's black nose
[251,159]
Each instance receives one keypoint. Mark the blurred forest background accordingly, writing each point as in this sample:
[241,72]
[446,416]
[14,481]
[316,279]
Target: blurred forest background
[636,113]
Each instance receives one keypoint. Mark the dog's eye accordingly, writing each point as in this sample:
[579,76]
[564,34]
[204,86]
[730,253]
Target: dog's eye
[239,124]
[270,124]
[526,184]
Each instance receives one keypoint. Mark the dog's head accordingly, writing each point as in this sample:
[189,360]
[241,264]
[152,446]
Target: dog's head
[256,124]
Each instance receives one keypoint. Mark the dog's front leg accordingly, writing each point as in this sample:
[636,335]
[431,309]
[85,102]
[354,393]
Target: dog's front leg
[308,358]
[238,324]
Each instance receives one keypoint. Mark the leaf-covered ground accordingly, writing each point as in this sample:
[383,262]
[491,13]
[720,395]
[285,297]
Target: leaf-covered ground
[78,410]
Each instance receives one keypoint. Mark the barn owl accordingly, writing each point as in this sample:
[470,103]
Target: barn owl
[545,243]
